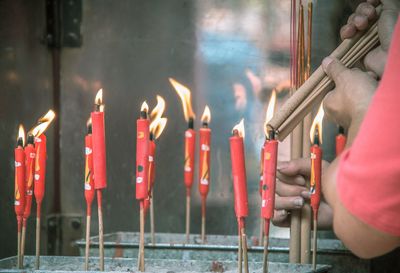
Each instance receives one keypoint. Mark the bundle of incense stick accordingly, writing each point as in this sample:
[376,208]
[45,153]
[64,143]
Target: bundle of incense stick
[318,85]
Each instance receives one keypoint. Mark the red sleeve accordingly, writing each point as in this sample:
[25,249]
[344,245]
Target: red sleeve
[369,172]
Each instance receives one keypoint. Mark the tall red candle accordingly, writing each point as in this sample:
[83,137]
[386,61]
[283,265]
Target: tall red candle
[239,173]
[340,141]
[261,169]
[40,170]
[204,163]
[269,180]
[315,179]
[151,179]
[99,144]
[190,141]
[29,175]
[89,182]
[19,194]
[142,154]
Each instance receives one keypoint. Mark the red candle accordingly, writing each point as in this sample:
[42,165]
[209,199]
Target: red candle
[19,194]
[29,174]
[190,141]
[89,182]
[40,170]
[340,141]
[152,149]
[239,171]
[316,161]
[142,154]
[261,169]
[99,144]
[205,154]
[269,180]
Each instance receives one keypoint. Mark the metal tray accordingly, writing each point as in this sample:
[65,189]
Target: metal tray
[75,264]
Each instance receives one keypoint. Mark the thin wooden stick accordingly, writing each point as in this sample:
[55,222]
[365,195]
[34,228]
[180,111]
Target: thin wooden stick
[87,247]
[188,216]
[265,254]
[314,256]
[240,253]
[101,235]
[244,249]
[19,261]
[37,260]
[203,220]
[141,241]
[23,238]
[153,237]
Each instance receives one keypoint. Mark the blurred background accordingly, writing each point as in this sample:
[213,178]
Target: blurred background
[57,54]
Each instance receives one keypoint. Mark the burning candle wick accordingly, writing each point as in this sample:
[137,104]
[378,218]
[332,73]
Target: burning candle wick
[191,123]
[316,137]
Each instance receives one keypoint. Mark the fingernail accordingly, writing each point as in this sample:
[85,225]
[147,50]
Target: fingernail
[306,194]
[282,165]
[298,202]
[326,62]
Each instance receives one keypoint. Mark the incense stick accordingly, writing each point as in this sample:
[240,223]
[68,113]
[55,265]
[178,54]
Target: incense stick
[153,237]
[141,266]
[316,87]
[101,235]
[37,260]
[240,253]
[187,216]
[87,247]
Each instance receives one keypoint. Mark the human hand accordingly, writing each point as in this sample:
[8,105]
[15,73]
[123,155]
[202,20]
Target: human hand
[292,193]
[350,98]
[365,13]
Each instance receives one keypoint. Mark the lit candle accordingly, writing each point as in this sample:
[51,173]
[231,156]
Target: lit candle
[99,164]
[204,166]
[142,172]
[29,173]
[270,157]
[40,171]
[239,188]
[157,126]
[340,141]
[315,177]
[19,193]
[190,141]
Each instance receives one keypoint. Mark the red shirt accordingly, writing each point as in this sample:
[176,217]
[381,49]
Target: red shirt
[369,172]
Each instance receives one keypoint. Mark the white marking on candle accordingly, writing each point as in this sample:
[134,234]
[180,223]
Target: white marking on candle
[16,203]
[139,180]
[151,159]
[18,164]
[38,139]
[37,176]
[205,147]
[88,151]
[32,155]
[188,134]
[188,169]
[264,203]
[204,181]
[313,156]
[87,187]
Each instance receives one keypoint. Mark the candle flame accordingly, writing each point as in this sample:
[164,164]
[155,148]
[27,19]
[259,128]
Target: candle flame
[270,110]
[43,123]
[185,96]
[240,128]
[144,107]
[206,117]
[89,122]
[99,97]
[157,127]
[158,111]
[317,125]
[21,134]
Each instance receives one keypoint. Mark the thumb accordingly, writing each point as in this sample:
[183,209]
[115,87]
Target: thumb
[333,68]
